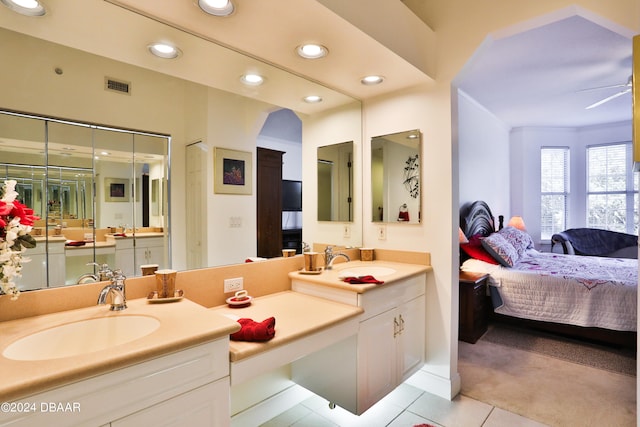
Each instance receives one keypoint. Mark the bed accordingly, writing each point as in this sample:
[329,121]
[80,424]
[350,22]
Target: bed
[586,297]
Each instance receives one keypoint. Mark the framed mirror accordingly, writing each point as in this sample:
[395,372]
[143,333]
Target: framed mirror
[395,177]
[335,182]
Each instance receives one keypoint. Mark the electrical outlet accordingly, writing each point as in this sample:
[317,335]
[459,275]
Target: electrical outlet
[346,231]
[382,232]
[233,285]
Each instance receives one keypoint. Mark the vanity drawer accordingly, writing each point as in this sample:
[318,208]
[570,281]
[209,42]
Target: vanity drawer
[105,398]
[391,295]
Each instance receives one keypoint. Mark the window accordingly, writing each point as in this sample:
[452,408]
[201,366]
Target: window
[554,190]
[612,188]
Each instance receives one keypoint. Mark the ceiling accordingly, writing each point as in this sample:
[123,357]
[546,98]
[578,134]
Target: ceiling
[532,78]
[272,30]
[542,77]
[537,77]
[264,36]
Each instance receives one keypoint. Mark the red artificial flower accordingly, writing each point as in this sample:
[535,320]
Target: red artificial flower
[24,213]
[5,209]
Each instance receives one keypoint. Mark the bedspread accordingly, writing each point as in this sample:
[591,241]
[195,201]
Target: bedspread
[576,290]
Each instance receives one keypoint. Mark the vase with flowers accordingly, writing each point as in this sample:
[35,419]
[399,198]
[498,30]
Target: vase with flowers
[16,221]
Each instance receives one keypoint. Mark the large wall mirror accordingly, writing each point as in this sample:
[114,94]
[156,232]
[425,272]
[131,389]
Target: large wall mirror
[335,182]
[197,97]
[395,177]
[91,188]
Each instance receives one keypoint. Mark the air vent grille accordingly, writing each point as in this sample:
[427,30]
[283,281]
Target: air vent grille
[117,85]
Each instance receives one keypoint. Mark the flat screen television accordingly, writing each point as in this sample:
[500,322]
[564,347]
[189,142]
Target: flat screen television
[291,195]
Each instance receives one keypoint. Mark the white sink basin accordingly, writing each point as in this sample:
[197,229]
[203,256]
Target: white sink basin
[365,270]
[85,336]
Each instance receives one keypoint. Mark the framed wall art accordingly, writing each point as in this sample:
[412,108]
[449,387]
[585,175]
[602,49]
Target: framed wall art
[116,190]
[232,172]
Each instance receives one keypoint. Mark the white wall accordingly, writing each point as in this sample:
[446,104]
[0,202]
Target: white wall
[484,147]
[426,109]
[233,122]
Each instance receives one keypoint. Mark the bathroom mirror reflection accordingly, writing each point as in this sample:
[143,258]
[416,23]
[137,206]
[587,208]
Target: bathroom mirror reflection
[90,187]
[186,102]
[395,177]
[335,182]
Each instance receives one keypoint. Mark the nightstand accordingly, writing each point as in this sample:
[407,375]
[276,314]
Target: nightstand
[474,313]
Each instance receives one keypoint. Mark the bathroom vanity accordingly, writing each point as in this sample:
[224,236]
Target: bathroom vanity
[174,365]
[177,372]
[390,344]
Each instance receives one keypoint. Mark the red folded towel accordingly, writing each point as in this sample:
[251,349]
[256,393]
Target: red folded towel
[75,243]
[254,331]
[362,279]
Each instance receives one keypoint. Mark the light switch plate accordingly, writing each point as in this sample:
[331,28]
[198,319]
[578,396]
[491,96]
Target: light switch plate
[346,231]
[382,232]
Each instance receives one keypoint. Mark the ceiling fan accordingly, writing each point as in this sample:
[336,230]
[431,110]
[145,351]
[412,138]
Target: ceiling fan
[626,86]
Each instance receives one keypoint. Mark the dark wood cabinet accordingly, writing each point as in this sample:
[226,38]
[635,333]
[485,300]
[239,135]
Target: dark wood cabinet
[474,310]
[269,202]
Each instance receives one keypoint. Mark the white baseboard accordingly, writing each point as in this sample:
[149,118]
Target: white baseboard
[434,384]
[269,408]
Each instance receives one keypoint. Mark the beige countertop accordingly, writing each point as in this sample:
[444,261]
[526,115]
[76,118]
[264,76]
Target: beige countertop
[297,315]
[136,235]
[332,278]
[182,324]
[98,244]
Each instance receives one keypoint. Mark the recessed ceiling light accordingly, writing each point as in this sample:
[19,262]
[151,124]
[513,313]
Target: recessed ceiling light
[25,7]
[312,99]
[105,153]
[164,50]
[312,51]
[252,79]
[412,136]
[217,7]
[372,80]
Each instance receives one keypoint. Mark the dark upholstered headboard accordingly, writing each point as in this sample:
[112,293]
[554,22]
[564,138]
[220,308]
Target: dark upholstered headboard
[476,218]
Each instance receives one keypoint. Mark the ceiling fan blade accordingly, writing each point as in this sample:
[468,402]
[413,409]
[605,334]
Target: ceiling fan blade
[627,84]
[607,99]
[602,87]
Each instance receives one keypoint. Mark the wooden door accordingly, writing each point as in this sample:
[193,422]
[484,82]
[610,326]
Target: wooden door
[269,195]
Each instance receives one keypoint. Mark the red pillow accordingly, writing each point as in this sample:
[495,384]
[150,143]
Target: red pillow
[475,250]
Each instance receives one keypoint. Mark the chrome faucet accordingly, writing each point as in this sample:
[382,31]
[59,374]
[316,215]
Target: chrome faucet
[116,288]
[329,257]
[104,273]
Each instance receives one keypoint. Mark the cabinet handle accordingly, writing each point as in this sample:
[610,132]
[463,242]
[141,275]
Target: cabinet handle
[396,327]
[401,324]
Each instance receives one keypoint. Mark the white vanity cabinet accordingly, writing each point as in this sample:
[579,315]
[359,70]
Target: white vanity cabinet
[189,387]
[132,253]
[149,250]
[205,406]
[34,275]
[125,256]
[390,343]
[390,349]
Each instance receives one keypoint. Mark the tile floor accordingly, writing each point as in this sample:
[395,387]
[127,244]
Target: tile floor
[407,406]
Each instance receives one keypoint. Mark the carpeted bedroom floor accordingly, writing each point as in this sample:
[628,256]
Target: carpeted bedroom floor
[551,380]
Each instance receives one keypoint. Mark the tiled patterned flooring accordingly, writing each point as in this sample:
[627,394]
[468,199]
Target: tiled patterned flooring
[405,407]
